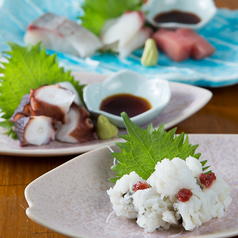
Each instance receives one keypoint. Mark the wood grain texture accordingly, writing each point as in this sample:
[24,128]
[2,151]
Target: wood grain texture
[15,174]
[220,115]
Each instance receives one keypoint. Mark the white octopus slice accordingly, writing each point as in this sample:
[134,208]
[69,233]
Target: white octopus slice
[35,130]
[22,109]
[79,127]
[70,86]
[52,101]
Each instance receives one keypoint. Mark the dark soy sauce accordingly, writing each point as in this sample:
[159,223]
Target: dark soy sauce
[178,17]
[132,105]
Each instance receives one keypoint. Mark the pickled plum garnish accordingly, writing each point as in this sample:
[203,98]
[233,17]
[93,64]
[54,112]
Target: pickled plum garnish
[184,195]
[140,186]
[207,179]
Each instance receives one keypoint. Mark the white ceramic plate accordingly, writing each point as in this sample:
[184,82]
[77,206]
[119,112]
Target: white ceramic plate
[72,198]
[185,101]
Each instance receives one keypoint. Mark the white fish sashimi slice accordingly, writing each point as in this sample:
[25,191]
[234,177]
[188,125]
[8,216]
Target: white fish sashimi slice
[137,41]
[44,29]
[49,40]
[113,47]
[82,40]
[49,21]
[60,34]
[124,29]
[107,25]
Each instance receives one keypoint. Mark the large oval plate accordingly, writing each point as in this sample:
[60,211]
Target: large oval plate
[72,198]
[185,101]
[216,71]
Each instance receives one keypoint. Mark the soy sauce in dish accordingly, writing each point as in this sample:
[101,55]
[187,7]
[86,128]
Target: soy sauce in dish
[118,103]
[178,17]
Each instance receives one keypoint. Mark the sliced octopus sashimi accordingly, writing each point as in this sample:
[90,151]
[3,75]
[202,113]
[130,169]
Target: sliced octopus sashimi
[23,109]
[69,86]
[79,127]
[51,101]
[35,130]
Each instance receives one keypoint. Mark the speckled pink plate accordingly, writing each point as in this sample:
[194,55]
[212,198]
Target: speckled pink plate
[72,198]
[185,101]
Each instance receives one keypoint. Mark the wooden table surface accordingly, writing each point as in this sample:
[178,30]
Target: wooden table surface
[220,116]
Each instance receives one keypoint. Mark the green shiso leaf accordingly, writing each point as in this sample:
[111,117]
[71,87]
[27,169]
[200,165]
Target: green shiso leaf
[97,12]
[144,148]
[28,68]
[8,129]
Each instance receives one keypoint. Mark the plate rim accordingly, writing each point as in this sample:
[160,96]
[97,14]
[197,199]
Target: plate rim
[39,221]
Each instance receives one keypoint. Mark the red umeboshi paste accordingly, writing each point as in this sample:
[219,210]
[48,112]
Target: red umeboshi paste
[207,179]
[184,195]
[140,186]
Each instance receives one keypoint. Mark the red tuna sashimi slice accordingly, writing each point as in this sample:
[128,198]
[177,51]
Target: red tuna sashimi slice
[201,48]
[183,43]
[176,48]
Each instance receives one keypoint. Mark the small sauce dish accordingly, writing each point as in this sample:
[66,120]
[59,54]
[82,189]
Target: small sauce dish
[187,10]
[156,91]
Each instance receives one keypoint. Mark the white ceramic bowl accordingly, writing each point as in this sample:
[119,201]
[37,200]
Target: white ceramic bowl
[156,91]
[204,9]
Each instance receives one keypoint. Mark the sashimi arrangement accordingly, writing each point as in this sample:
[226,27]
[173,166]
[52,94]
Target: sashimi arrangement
[160,181]
[35,91]
[51,112]
[115,26]
[40,102]
[63,35]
